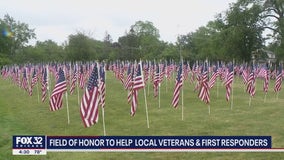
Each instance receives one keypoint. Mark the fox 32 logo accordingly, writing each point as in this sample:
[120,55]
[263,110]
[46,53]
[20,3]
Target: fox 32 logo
[25,142]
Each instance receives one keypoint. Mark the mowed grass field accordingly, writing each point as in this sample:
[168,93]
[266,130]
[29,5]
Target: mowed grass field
[21,114]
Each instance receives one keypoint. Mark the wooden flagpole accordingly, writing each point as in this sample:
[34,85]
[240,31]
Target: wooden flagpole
[232,100]
[67,108]
[37,92]
[100,98]
[149,81]
[182,104]
[78,93]
[159,86]
[48,81]
[145,98]
[66,95]
[209,109]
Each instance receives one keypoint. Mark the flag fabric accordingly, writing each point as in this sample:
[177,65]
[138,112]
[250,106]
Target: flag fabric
[178,85]
[204,93]
[130,84]
[44,84]
[245,75]
[128,80]
[102,86]
[229,81]
[213,78]
[25,80]
[146,68]
[266,80]
[251,83]
[278,81]
[89,108]
[156,81]
[56,98]
[73,81]
[34,78]
[138,83]
[81,78]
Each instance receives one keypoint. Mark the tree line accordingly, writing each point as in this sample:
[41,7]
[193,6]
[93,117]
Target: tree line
[233,34]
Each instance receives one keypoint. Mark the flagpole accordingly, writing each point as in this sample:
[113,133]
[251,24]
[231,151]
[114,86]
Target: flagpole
[67,107]
[145,98]
[209,109]
[48,81]
[182,111]
[77,81]
[103,115]
[37,93]
[146,107]
[249,101]
[66,95]
[183,75]
[166,70]
[149,72]
[159,86]
[217,81]
[103,109]
[232,100]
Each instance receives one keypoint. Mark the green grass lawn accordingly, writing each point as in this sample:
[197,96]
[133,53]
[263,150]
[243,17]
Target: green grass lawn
[21,114]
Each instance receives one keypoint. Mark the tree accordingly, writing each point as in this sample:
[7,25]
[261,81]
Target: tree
[142,41]
[241,31]
[15,35]
[271,17]
[79,47]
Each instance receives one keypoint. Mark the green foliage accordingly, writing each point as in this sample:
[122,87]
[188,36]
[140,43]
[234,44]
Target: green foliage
[24,115]
[15,35]
[4,60]
[233,34]
[142,41]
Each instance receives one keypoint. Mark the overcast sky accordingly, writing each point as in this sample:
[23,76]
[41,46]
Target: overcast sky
[56,19]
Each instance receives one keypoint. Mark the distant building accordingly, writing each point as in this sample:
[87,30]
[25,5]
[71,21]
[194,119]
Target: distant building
[263,56]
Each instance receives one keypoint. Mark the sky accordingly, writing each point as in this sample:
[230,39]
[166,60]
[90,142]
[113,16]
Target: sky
[57,19]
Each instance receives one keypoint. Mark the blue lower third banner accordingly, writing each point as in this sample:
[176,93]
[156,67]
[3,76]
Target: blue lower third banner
[41,144]
[159,142]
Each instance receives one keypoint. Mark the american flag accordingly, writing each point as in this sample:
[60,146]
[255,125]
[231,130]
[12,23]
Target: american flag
[73,81]
[162,72]
[229,81]
[34,78]
[102,86]
[204,93]
[146,71]
[89,108]
[56,98]
[186,71]
[266,80]
[213,78]
[25,80]
[138,83]
[128,81]
[278,81]
[178,85]
[245,75]
[121,73]
[156,81]
[251,83]
[44,84]
[81,78]
[130,84]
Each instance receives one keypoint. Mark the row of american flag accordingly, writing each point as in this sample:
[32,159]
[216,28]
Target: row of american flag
[91,77]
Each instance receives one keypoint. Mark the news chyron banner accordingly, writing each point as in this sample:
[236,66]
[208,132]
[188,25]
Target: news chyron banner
[40,145]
